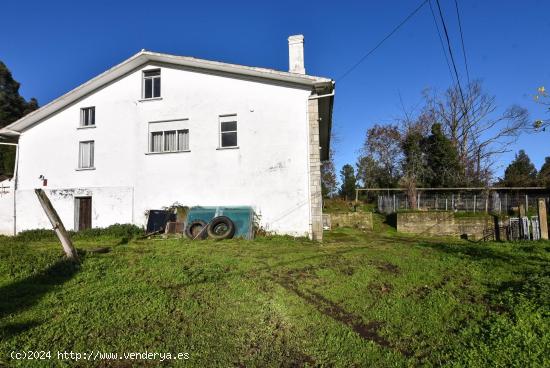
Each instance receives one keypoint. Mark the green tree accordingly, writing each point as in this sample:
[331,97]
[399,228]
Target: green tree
[521,172]
[347,189]
[414,164]
[544,173]
[328,176]
[369,172]
[12,108]
[441,159]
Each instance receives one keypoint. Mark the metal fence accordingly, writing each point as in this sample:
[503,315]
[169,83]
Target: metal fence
[492,202]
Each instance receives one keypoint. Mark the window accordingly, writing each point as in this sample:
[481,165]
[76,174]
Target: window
[87,117]
[228,131]
[170,141]
[86,155]
[151,84]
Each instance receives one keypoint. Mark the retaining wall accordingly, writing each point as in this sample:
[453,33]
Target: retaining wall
[443,224]
[361,220]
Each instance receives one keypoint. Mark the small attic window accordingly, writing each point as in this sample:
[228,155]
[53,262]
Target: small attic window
[87,116]
[151,84]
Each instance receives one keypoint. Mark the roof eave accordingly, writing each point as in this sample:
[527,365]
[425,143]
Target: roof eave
[144,57]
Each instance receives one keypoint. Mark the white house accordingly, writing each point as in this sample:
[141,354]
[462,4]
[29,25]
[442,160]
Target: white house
[160,129]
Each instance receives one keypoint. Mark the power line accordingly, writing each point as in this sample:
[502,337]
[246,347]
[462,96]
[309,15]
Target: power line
[382,41]
[462,40]
[452,57]
[441,42]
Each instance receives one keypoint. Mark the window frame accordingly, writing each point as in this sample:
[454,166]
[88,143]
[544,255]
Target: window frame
[92,155]
[228,118]
[152,78]
[83,111]
[163,141]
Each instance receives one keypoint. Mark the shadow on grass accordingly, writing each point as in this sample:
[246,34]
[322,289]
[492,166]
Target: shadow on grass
[391,220]
[23,294]
[480,252]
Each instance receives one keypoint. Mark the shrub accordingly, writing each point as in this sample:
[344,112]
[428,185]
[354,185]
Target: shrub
[127,231]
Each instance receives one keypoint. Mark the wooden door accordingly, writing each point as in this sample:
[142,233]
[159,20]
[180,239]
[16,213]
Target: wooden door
[84,208]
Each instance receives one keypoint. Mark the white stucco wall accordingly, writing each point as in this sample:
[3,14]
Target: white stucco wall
[6,207]
[269,170]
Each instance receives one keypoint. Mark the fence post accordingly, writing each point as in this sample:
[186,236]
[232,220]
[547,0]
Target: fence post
[394,203]
[446,199]
[418,201]
[452,202]
[506,205]
[526,204]
[474,203]
[486,203]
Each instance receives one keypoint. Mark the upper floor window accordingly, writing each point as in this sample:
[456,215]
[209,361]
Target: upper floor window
[228,131]
[170,141]
[87,116]
[86,155]
[151,83]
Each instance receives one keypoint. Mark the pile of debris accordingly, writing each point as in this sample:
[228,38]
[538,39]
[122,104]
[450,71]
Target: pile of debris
[199,223]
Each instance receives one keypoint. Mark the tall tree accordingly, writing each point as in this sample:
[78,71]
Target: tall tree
[328,176]
[12,108]
[470,119]
[348,186]
[544,173]
[521,172]
[383,145]
[369,172]
[442,160]
[415,169]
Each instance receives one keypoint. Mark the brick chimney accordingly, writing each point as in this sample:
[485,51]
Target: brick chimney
[296,54]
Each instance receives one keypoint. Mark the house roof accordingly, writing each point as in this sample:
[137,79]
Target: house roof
[143,57]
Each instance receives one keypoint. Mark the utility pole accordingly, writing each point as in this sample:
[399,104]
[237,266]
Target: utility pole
[57,224]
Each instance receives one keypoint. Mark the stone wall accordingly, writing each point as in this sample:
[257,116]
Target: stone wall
[361,220]
[315,172]
[443,224]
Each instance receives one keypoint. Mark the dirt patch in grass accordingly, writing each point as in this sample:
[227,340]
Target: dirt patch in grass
[368,331]
[380,288]
[388,268]
[423,291]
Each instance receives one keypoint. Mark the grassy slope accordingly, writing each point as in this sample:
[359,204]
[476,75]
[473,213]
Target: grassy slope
[360,299]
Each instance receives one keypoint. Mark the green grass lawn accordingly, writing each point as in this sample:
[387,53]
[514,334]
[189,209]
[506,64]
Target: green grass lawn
[359,299]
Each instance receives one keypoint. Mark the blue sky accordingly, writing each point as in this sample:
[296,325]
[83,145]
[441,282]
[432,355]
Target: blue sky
[53,46]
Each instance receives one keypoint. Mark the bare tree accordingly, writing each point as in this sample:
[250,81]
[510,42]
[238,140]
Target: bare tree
[471,121]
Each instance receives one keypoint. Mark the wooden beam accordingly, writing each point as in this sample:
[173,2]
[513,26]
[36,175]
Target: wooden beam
[57,225]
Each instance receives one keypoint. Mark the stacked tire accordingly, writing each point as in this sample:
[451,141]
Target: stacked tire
[221,227]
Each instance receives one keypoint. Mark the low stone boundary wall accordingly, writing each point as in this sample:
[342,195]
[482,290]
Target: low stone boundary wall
[444,224]
[361,220]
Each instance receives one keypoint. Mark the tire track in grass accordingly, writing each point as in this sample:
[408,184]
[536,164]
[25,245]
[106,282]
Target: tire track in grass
[368,331]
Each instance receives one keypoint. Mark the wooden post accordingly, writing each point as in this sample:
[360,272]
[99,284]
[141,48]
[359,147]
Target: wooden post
[543,224]
[58,227]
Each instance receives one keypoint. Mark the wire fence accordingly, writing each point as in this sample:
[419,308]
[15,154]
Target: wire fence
[492,202]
